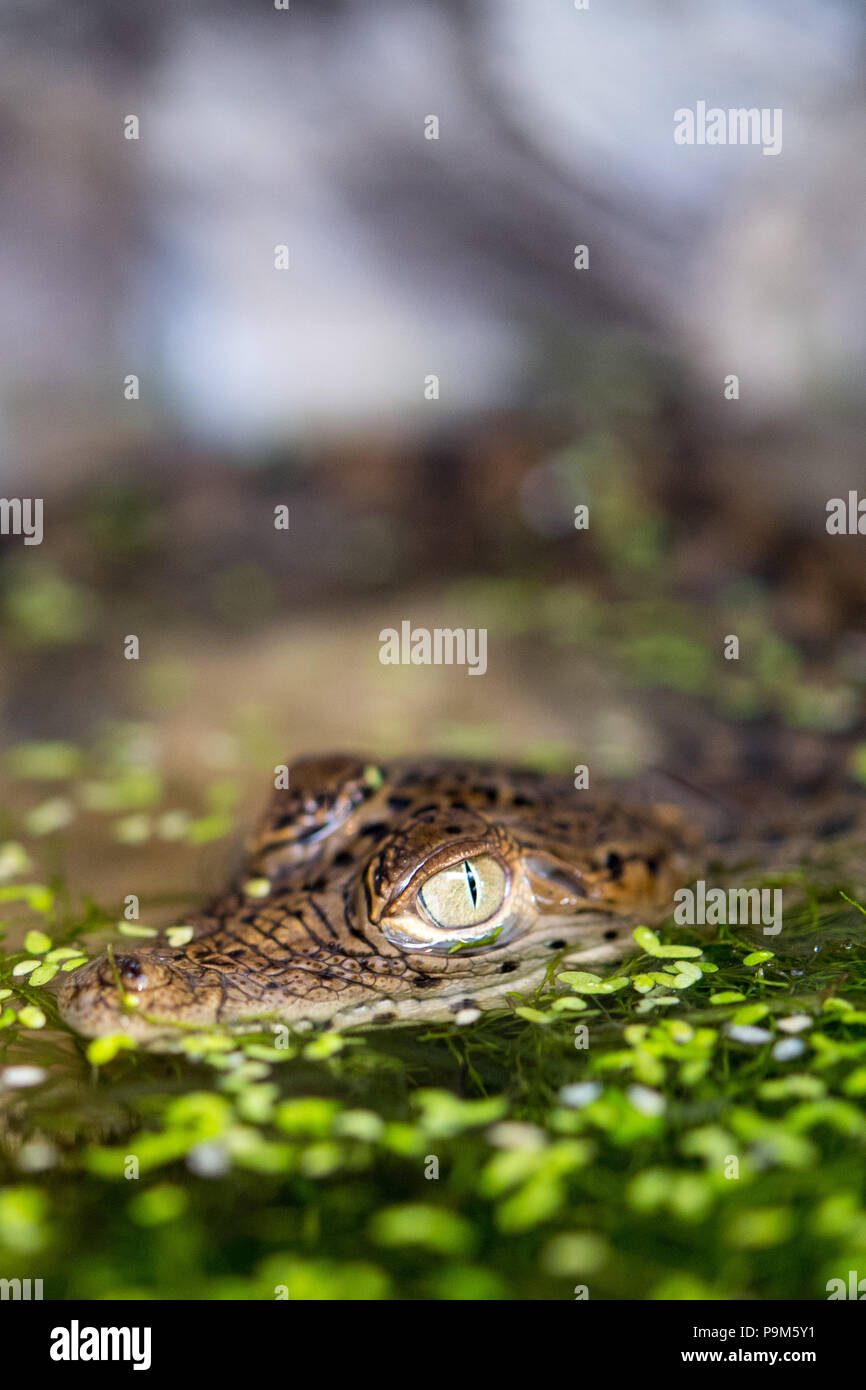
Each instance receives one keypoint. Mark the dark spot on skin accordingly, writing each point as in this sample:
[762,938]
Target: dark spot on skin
[508,967]
[343,858]
[653,865]
[522,801]
[375,830]
[611,935]
[459,806]
[453,829]
[556,945]
[489,792]
[237,953]
[613,864]
[836,825]
[771,836]
[128,965]
[307,832]
[399,803]
[384,1018]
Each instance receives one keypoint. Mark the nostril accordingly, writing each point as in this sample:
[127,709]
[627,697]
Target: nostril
[128,964]
[130,968]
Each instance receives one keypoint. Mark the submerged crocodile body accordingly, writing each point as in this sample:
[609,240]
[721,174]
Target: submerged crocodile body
[417,890]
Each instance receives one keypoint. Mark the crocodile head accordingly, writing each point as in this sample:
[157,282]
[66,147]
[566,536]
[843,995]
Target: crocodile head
[396,892]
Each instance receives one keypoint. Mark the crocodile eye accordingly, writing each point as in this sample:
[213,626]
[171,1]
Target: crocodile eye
[466,894]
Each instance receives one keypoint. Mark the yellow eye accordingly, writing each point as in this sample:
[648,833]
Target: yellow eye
[465,894]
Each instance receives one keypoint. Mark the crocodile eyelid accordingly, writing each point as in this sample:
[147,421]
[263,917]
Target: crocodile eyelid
[443,858]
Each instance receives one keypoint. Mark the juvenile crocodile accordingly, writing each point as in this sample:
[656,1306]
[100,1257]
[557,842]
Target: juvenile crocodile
[415,890]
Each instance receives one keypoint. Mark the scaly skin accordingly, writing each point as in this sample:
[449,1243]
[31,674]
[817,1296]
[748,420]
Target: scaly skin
[341,937]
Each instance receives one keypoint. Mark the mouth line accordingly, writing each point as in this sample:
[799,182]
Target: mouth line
[198,996]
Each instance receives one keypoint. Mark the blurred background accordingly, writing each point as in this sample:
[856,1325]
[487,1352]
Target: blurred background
[411,257]
[305,388]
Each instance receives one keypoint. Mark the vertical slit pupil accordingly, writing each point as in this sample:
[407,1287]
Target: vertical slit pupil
[472,882]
